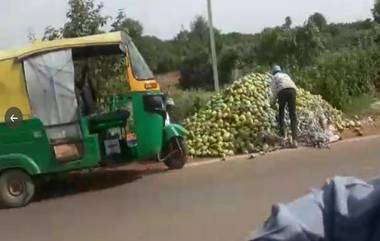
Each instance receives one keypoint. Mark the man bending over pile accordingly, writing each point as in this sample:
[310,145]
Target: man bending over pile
[284,90]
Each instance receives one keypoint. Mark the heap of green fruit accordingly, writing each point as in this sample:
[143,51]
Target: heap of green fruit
[233,121]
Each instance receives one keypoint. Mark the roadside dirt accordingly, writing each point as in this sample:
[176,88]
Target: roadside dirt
[168,80]
[370,126]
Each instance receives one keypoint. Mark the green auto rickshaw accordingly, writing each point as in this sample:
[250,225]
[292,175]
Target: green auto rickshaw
[51,124]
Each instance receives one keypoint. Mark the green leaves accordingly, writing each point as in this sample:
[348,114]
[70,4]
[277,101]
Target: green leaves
[376,11]
[84,18]
[133,27]
[319,20]
[52,33]
[340,76]
[194,46]
[298,46]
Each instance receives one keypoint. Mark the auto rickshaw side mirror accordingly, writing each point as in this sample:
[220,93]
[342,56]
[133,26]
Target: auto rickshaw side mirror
[170,102]
[154,103]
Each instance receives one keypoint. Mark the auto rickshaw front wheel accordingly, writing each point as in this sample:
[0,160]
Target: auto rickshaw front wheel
[176,154]
[16,189]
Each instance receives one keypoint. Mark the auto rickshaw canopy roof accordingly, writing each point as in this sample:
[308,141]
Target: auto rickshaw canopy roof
[13,91]
[38,46]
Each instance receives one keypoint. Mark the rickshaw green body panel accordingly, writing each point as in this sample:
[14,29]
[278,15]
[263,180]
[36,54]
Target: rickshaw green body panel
[174,130]
[149,132]
[148,126]
[19,161]
[27,147]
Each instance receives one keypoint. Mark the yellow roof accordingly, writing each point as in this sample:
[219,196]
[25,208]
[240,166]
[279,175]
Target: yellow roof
[45,46]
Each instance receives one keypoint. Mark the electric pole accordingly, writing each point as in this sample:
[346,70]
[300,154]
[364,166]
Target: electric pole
[212,44]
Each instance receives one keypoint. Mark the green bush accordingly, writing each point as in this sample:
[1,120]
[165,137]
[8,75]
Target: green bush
[187,102]
[227,63]
[196,71]
[340,76]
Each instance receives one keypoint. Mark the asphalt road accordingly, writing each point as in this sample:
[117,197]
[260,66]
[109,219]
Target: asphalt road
[223,201]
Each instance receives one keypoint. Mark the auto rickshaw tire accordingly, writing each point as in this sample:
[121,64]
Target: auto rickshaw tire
[16,188]
[179,158]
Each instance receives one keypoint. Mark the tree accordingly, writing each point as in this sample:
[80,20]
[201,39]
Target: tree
[133,27]
[276,45]
[319,20]
[227,62]
[31,36]
[196,68]
[199,29]
[288,23]
[84,18]
[52,33]
[157,53]
[308,44]
[182,36]
[376,11]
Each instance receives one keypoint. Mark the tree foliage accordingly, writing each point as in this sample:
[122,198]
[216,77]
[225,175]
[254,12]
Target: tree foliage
[196,65]
[376,11]
[133,27]
[298,46]
[52,33]
[319,20]
[84,18]
[288,23]
[336,60]
[199,30]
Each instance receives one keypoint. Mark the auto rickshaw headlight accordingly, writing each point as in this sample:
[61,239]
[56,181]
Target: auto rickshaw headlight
[151,85]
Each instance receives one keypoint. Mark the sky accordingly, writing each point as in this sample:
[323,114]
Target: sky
[164,18]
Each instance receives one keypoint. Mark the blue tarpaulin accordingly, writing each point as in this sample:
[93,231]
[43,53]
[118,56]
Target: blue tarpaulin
[346,209]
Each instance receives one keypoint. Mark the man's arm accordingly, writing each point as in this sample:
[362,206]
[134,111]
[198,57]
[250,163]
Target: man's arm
[273,96]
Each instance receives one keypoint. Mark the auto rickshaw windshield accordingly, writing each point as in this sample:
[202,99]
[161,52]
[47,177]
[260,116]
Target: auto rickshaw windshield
[140,68]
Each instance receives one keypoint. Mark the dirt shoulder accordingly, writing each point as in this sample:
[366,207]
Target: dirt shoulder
[370,126]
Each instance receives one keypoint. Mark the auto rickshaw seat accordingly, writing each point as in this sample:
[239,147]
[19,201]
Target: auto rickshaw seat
[116,115]
[108,120]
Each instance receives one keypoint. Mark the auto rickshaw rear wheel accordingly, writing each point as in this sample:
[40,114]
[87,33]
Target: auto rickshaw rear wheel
[16,189]
[176,154]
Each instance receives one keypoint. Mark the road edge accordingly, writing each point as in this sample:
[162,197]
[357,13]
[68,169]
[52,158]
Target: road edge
[208,161]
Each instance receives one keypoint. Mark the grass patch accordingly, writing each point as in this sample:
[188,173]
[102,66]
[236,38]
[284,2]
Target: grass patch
[362,105]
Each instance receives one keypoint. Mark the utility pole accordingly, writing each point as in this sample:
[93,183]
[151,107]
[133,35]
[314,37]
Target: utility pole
[212,44]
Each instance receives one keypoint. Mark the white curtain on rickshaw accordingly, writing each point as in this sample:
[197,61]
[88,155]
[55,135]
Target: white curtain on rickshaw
[50,83]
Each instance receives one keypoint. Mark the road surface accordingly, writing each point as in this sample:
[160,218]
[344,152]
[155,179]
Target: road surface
[223,201]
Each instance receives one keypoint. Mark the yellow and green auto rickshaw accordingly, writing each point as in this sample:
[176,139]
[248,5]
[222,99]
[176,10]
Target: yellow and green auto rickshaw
[51,124]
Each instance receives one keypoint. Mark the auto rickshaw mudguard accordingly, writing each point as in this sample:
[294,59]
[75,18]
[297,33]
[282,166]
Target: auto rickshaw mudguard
[19,161]
[174,130]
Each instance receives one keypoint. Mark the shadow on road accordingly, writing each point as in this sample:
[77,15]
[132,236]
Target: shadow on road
[81,182]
